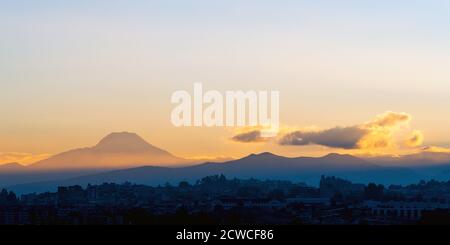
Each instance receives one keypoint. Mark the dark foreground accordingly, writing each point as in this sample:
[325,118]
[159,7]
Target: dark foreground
[216,200]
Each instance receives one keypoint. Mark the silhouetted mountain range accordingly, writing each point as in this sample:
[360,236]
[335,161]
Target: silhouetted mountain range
[422,159]
[121,157]
[261,166]
[115,151]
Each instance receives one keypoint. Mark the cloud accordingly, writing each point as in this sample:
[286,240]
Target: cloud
[338,137]
[377,133]
[381,129]
[436,149]
[374,134]
[21,157]
[251,136]
[416,139]
[389,119]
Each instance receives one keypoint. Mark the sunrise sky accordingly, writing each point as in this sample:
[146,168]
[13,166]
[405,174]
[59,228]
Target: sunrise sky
[378,72]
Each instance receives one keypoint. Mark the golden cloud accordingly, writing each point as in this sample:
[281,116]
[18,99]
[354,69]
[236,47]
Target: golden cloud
[436,149]
[389,119]
[374,134]
[380,130]
[416,139]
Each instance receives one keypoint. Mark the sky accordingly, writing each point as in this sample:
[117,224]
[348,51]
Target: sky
[71,72]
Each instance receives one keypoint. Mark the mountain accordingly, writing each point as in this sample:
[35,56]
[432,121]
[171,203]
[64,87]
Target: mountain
[417,160]
[261,166]
[117,150]
[427,158]
[435,164]
[15,173]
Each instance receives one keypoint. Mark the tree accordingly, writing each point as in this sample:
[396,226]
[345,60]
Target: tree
[184,184]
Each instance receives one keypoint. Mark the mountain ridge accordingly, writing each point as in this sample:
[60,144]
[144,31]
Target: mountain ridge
[125,156]
[261,166]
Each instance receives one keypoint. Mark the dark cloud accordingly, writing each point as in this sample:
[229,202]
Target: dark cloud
[338,137]
[375,134]
[247,137]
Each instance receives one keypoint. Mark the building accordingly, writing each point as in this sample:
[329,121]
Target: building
[402,210]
